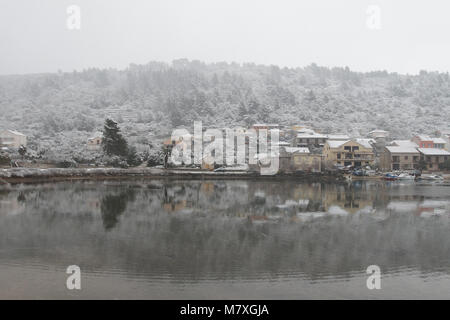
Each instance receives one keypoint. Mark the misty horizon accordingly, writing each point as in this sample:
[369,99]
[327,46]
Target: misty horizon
[230,63]
[405,37]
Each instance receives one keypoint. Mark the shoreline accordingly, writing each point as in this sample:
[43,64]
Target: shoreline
[44,175]
[37,175]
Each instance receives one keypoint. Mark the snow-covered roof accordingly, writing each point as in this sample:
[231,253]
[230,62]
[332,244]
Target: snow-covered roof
[311,135]
[338,137]
[283,143]
[439,140]
[296,150]
[366,143]
[402,149]
[423,137]
[405,143]
[434,152]
[17,133]
[97,134]
[274,125]
[336,143]
[379,131]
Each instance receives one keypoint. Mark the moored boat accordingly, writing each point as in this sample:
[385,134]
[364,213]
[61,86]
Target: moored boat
[390,177]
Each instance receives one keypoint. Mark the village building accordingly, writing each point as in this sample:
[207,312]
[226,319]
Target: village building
[266,126]
[404,143]
[303,160]
[12,139]
[309,138]
[399,158]
[94,143]
[423,141]
[433,157]
[356,153]
[439,143]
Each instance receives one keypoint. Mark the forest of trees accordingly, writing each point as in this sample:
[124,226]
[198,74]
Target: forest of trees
[60,111]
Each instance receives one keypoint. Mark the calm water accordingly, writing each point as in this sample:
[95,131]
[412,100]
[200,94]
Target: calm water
[225,240]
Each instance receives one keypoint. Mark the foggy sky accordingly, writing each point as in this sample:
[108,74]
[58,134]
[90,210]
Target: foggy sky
[414,35]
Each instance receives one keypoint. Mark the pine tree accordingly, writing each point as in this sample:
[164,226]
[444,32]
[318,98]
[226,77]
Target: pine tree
[113,143]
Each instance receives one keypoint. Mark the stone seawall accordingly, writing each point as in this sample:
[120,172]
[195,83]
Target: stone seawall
[21,175]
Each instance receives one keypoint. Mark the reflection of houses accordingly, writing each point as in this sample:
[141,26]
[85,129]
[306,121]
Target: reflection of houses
[13,139]
[10,206]
[403,206]
[355,153]
[399,158]
[95,142]
[433,157]
[433,207]
[175,206]
[346,200]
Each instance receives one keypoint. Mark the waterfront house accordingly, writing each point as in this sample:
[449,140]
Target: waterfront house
[399,158]
[432,157]
[12,139]
[355,152]
[94,143]
[303,160]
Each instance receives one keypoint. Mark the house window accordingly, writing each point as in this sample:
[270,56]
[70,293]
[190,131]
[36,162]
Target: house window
[338,155]
[406,157]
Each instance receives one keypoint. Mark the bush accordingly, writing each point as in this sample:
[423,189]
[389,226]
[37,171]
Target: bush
[445,165]
[67,164]
[116,162]
[5,159]
[155,159]
[133,159]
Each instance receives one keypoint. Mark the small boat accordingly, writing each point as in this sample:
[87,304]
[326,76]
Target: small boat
[405,176]
[390,177]
[431,177]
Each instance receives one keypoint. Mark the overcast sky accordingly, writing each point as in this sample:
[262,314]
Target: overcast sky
[412,34]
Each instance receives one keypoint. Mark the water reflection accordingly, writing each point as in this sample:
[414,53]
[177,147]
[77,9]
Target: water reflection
[112,206]
[191,231]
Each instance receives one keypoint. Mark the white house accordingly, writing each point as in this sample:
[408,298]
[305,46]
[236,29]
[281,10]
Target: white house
[12,139]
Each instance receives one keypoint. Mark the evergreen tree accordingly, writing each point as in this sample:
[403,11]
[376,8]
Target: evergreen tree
[113,143]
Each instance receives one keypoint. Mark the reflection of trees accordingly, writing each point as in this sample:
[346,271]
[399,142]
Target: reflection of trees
[112,206]
[215,241]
